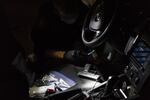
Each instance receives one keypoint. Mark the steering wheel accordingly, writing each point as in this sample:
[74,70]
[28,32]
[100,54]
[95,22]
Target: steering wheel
[98,21]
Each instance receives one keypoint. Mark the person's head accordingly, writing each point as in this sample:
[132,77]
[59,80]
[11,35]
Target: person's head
[88,2]
[69,9]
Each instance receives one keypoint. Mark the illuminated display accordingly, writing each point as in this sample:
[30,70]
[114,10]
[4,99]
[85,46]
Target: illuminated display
[141,52]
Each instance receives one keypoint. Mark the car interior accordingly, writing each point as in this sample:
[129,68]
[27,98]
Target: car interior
[115,34]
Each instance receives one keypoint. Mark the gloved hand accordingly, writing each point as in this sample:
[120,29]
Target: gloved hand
[77,57]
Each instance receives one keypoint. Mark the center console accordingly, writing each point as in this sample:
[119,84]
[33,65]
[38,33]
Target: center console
[139,60]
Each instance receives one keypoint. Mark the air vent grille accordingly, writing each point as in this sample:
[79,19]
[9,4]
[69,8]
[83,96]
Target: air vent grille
[141,52]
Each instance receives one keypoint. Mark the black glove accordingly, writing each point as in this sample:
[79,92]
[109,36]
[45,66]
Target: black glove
[77,57]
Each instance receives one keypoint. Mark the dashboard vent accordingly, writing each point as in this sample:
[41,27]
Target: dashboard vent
[141,52]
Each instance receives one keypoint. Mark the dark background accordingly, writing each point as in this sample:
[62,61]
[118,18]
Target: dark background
[12,83]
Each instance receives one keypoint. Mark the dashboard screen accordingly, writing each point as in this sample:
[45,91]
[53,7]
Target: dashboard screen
[141,52]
